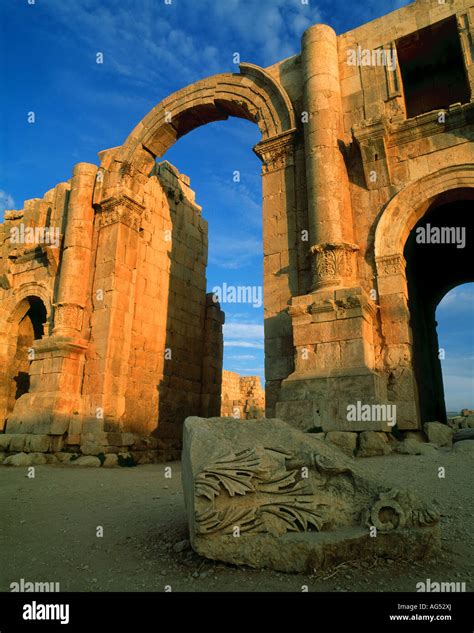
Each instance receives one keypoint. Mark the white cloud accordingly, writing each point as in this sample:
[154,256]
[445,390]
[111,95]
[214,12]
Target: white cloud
[246,344]
[458,300]
[153,43]
[232,252]
[244,335]
[243,330]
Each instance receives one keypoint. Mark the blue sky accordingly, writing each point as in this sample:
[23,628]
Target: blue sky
[48,54]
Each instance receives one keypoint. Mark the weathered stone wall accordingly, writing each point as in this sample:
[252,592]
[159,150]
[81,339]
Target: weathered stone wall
[27,269]
[149,342]
[230,399]
[351,324]
[242,396]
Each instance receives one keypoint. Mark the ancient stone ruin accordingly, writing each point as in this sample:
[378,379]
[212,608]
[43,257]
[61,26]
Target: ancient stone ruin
[108,338]
[242,396]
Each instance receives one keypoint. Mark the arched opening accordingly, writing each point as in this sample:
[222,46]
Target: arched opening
[28,328]
[438,253]
[455,318]
[227,183]
[129,192]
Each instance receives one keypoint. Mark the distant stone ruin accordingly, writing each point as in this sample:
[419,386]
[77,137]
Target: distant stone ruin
[242,396]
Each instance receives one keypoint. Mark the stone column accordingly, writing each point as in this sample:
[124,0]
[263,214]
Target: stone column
[329,208]
[76,258]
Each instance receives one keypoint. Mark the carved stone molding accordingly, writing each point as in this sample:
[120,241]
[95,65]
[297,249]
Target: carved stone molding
[332,262]
[68,317]
[122,209]
[276,153]
[391,265]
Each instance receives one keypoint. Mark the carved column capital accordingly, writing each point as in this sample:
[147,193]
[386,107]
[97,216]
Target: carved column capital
[332,263]
[122,209]
[277,152]
[68,318]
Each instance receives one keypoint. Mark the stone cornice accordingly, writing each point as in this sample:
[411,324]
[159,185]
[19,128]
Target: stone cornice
[121,208]
[277,152]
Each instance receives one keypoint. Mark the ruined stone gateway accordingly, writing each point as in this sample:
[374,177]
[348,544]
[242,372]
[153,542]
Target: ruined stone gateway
[106,330]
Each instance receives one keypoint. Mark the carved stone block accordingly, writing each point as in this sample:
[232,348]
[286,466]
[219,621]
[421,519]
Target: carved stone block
[264,494]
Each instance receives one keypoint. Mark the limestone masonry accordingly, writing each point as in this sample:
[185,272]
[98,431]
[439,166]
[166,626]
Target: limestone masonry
[242,396]
[109,341]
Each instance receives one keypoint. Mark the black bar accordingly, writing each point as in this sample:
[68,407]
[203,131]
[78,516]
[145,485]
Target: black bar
[241,612]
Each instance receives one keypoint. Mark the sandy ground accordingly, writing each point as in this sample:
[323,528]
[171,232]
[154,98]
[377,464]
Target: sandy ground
[49,525]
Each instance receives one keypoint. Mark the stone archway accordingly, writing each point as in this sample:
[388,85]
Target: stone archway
[121,200]
[26,323]
[400,317]
[252,95]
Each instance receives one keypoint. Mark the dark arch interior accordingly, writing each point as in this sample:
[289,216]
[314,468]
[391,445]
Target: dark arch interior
[30,328]
[433,269]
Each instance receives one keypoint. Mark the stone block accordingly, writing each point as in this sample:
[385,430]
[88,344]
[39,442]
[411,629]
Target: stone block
[38,459]
[93,443]
[344,440]
[17,443]
[372,443]
[86,460]
[75,426]
[413,447]
[439,434]
[63,457]
[39,443]
[128,439]
[114,439]
[5,440]
[57,443]
[73,439]
[262,493]
[20,459]
[111,460]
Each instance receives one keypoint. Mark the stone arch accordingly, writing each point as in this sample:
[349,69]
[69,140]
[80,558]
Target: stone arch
[19,333]
[120,198]
[253,95]
[401,215]
[410,204]
[16,303]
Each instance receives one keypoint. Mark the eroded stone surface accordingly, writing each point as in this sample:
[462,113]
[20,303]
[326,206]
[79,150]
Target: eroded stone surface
[264,494]
[439,434]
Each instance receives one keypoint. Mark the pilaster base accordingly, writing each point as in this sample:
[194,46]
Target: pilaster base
[309,401]
[55,380]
